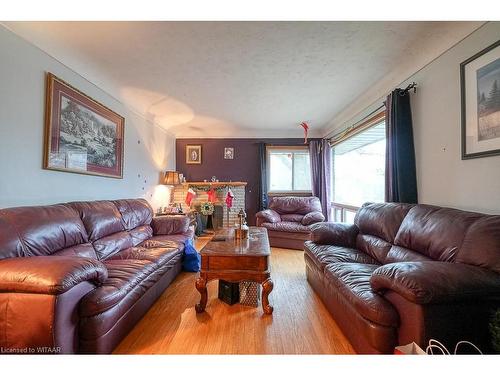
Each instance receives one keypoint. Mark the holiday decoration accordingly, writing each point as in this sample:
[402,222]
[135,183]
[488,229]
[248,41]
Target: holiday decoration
[229,198]
[189,196]
[207,208]
[305,125]
[211,195]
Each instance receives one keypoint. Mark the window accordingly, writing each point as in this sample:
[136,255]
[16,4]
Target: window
[289,169]
[359,170]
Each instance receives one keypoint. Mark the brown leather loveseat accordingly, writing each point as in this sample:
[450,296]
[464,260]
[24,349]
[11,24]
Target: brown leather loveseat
[76,277]
[404,273]
[288,220]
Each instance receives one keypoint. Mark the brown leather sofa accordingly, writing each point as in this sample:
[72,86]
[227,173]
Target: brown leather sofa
[288,220]
[76,277]
[404,273]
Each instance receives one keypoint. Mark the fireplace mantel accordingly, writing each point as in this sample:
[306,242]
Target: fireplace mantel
[214,184]
[230,217]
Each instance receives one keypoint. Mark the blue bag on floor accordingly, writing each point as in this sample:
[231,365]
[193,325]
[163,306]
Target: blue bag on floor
[192,259]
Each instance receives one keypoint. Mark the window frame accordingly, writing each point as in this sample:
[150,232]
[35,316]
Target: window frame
[293,149]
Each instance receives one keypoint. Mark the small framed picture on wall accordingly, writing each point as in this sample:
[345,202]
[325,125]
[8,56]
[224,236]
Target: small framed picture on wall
[480,96]
[193,154]
[228,152]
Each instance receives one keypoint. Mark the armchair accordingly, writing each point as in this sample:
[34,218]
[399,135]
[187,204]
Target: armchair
[288,220]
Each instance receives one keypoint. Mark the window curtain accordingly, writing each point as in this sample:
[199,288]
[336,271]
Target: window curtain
[320,154]
[263,177]
[400,170]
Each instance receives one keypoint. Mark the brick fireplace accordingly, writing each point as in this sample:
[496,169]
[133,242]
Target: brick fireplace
[238,189]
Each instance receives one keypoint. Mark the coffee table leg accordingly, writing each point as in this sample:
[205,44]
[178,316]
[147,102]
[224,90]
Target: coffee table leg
[201,285]
[267,287]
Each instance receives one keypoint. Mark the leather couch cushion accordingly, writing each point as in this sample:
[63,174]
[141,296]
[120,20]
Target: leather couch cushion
[109,245]
[123,276]
[287,226]
[85,250]
[140,234]
[42,230]
[165,225]
[158,255]
[352,280]
[103,324]
[296,218]
[313,217]
[295,205]
[268,215]
[101,218]
[435,232]
[401,254]
[481,246]
[135,212]
[323,255]
[167,240]
[127,270]
[374,246]
[381,219]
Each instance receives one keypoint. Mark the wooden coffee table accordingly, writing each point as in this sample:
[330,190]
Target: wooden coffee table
[234,261]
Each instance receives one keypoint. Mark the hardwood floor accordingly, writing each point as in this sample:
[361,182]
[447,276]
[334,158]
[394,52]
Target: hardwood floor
[300,323]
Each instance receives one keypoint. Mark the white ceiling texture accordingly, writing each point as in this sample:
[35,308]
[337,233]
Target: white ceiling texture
[243,79]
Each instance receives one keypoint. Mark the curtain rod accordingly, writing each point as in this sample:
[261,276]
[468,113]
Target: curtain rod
[411,86]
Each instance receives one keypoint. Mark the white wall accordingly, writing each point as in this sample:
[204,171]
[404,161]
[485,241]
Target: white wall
[148,149]
[443,178]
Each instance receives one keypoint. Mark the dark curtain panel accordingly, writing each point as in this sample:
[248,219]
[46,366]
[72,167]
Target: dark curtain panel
[321,162]
[400,170]
[263,177]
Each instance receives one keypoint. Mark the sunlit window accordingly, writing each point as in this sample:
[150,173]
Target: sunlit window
[359,171]
[289,169]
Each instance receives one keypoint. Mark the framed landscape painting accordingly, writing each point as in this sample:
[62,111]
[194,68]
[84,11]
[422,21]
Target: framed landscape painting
[480,95]
[81,135]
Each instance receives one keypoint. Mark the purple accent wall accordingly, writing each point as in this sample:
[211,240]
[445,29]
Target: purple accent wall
[244,166]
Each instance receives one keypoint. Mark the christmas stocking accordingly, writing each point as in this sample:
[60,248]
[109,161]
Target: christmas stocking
[189,196]
[211,195]
[229,198]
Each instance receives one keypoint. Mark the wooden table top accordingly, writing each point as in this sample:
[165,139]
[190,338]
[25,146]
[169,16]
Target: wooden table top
[257,243]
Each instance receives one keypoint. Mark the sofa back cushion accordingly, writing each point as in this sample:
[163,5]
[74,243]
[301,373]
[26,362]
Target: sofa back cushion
[381,219]
[481,245]
[378,225]
[435,232]
[42,230]
[101,218]
[137,215]
[134,212]
[295,205]
[295,218]
[105,227]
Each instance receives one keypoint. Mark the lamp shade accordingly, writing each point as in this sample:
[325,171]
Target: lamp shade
[171,178]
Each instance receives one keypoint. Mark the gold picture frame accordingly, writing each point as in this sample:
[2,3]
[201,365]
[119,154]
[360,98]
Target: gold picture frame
[81,135]
[193,154]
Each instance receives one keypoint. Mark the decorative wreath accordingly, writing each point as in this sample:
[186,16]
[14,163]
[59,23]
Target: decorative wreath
[207,208]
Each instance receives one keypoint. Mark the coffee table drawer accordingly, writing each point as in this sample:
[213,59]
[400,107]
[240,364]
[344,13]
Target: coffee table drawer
[237,263]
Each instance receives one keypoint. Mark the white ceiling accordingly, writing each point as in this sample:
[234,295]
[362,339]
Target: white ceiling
[242,79]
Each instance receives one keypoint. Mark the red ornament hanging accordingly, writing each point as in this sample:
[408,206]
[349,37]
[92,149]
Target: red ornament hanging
[305,125]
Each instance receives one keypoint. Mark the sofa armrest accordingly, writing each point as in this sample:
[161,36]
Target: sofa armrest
[165,225]
[436,282]
[313,218]
[52,275]
[268,216]
[337,234]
